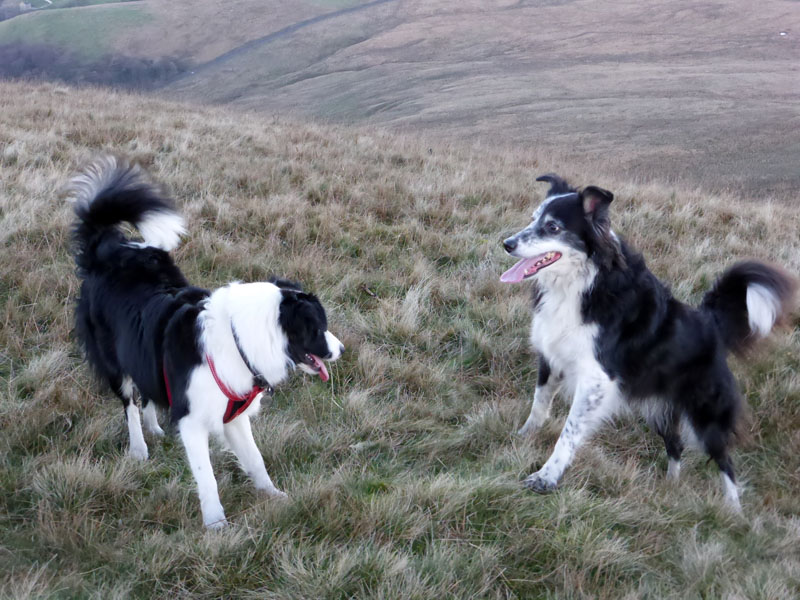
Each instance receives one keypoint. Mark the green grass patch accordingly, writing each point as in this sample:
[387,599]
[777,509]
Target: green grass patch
[90,34]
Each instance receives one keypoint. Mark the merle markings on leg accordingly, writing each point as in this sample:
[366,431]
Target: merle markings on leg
[594,402]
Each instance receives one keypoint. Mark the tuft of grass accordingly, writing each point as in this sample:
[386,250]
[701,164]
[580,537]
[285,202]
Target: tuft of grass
[403,471]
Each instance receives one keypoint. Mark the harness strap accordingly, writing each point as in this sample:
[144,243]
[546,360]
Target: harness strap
[258,379]
[236,404]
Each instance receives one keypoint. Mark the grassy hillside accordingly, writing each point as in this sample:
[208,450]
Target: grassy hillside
[403,471]
[678,90]
[89,34]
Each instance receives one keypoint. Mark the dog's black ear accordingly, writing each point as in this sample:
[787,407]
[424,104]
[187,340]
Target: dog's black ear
[557,184]
[285,284]
[595,202]
[308,297]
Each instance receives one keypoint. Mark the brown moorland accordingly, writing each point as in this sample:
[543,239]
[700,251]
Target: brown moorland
[403,472]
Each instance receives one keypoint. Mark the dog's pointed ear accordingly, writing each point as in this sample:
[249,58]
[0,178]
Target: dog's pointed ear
[595,202]
[557,184]
[289,295]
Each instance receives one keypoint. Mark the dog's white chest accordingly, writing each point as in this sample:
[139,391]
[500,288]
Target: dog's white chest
[559,333]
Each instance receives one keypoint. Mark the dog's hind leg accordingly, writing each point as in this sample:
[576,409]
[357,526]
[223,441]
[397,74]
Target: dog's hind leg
[125,389]
[195,440]
[715,441]
[239,436]
[546,387]
[151,418]
[670,431]
[595,401]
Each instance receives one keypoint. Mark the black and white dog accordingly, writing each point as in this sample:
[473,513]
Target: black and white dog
[206,356]
[609,332]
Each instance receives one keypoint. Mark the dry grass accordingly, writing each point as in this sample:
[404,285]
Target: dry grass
[402,471]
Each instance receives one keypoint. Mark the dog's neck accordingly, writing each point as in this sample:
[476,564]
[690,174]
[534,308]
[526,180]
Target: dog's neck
[260,337]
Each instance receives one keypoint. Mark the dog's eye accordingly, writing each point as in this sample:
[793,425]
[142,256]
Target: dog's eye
[551,227]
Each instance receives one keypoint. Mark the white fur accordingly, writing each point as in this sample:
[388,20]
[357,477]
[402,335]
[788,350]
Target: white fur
[334,345]
[138,447]
[127,388]
[162,229]
[85,187]
[151,419]
[763,308]
[194,435]
[253,309]
[559,333]
[673,470]
[731,493]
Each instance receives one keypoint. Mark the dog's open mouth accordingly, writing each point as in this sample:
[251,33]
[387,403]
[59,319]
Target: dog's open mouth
[317,366]
[528,267]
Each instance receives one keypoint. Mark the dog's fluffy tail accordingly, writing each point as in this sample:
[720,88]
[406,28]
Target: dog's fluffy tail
[748,301]
[109,192]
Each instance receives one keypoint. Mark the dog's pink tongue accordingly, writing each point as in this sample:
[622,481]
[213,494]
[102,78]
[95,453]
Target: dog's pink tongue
[323,372]
[517,273]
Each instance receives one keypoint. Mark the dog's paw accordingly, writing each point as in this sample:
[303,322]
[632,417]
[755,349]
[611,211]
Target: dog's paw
[156,430]
[529,428]
[539,484]
[216,525]
[276,493]
[138,452]
[214,518]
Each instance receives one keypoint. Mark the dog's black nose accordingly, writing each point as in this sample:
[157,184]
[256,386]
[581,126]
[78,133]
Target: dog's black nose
[510,244]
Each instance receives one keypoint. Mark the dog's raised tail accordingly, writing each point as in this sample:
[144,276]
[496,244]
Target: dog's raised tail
[748,300]
[109,191]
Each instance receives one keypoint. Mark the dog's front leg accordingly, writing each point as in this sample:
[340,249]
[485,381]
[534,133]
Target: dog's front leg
[546,387]
[195,440]
[595,401]
[239,436]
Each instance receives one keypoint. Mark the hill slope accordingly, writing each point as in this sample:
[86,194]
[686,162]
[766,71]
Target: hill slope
[680,90]
[403,471]
[673,90]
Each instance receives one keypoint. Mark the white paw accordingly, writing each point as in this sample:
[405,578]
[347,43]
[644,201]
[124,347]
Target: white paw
[214,519]
[531,426]
[138,452]
[156,430]
[274,492]
[539,484]
[216,525]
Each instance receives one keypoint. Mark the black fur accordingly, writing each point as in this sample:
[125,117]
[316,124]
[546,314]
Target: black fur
[659,347]
[134,303]
[302,314]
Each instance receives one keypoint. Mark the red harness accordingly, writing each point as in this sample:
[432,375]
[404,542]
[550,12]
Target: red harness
[236,404]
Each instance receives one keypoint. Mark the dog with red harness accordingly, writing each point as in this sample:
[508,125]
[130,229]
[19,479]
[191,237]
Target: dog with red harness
[209,358]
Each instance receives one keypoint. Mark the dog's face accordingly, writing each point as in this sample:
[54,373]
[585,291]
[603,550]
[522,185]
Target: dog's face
[567,230]
[303,320]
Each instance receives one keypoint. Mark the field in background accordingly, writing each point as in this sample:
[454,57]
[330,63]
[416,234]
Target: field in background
[692,92]
[403,471]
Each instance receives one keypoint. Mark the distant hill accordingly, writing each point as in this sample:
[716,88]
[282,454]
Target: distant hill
[684,90]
